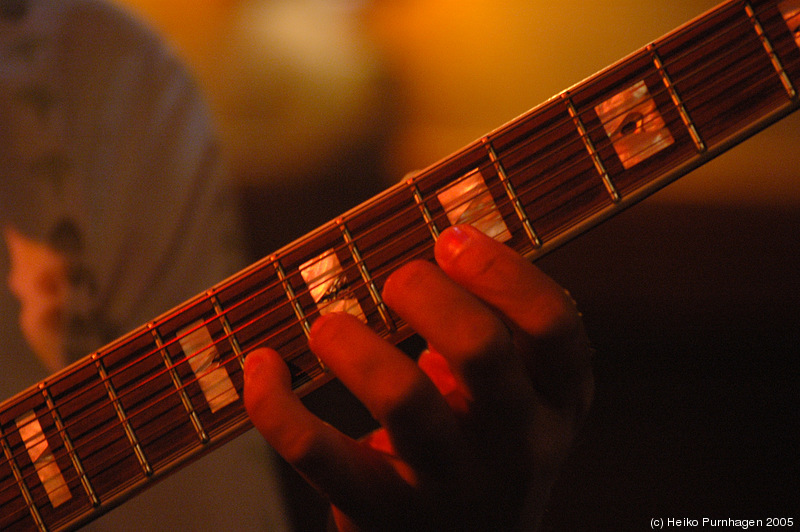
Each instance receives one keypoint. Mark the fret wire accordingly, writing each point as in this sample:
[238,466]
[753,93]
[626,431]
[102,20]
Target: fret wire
[598,163]
[23,487]
[287,288]
[703,98]
[365,275]
[70,448]
[676,99]
[176,382]
[295,304]
[426,214]
[776,62]
[731,74]
[512,196]
[226,326]
[126,426]
[709,41]
[133,414]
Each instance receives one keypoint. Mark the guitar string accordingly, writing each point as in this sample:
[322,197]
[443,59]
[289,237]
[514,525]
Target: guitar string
[411,207]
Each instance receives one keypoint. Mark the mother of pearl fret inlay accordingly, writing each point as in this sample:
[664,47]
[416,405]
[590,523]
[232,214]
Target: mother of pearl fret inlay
[30,430]
[326,281]
[468,201]
[634,125]
[203,357]
[790,9]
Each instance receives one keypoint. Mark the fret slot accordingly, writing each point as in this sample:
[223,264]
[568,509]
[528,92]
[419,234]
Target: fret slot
[376,296]
[176,380]
[93,428]
[776,62]
[512,195]
[147,394]
[598,163]
[15,513]
[70,448]
[147,469]
[676,99]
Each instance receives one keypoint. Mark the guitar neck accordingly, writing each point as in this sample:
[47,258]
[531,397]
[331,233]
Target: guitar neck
[90,436]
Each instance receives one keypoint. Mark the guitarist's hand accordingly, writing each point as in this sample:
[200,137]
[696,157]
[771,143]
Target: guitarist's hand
[476,431]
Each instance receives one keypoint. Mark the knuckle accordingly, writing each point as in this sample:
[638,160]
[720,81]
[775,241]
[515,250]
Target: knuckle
[405,278]
[481,340]
[305,450]
[556,317]
[401,399]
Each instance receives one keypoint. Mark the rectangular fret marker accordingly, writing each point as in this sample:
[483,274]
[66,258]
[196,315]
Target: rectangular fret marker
[30,430]
[634,125]
[468,201]
[326,281]
[203,357]
[790,9]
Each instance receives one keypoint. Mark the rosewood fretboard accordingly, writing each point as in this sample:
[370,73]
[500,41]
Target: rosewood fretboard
[85,439]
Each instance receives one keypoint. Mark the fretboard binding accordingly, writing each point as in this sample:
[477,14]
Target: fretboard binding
[530,167]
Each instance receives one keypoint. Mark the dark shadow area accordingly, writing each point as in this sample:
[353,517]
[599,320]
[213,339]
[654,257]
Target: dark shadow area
[694,313]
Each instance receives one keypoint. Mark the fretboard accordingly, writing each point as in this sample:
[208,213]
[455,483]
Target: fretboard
[90,436]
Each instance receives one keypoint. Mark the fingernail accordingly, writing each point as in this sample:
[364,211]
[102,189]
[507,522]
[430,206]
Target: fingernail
[452,243]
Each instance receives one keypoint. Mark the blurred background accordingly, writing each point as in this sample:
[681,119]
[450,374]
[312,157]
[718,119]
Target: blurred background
[691,297]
